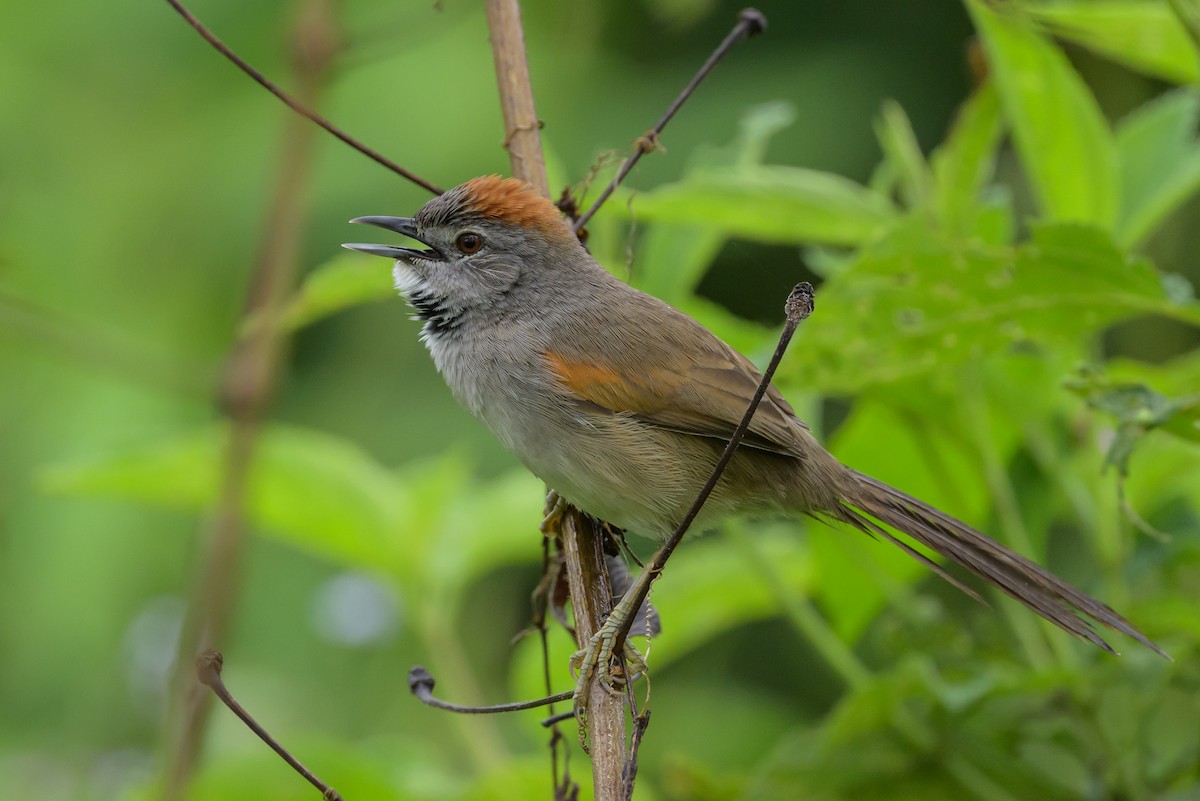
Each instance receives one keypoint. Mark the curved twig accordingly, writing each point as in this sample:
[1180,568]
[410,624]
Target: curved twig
[421,683]
[750,22]
[295,105]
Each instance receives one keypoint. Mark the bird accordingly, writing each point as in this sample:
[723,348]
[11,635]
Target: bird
[622,404]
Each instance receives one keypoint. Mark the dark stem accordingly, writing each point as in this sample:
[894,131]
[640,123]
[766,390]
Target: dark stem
[799,305]
[750,22]
[591,603]
[558,718]
[208,671]
[629,775]
[421,683]
[543,597]
[296,105]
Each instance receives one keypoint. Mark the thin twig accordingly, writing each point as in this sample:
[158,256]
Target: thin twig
[247,387]
[421,683]
[296,105]
[208,672]
[629,775]
[799,305]
[558,718]
[543,600]
[750,22]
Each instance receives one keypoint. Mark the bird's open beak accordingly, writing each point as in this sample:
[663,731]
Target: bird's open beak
[401,225]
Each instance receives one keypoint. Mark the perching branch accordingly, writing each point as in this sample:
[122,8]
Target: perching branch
[298,106]
[583,556]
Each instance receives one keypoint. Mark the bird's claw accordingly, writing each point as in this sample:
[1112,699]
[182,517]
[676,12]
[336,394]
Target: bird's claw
[596,663]
[555,508]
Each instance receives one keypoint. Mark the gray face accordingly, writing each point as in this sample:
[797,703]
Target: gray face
[468,265]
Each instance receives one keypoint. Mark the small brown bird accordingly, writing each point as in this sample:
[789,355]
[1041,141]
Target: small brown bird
[623,404]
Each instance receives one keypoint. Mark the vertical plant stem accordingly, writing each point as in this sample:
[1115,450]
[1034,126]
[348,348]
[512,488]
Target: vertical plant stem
[247,387]
[591,601]
[522,136]
[587,576]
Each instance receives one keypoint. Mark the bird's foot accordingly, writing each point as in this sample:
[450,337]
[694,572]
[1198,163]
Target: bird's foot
[555,507]
[598,663]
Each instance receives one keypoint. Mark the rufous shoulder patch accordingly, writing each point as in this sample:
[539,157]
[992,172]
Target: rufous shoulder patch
[605,386]
[580,377]
[513,201]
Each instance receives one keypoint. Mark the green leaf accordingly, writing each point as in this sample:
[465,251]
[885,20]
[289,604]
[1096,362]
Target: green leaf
[1171,737]
[1137,409]
[915,304]
[1144,36]
[756,129]
[786,205]
[318,492]
[1061,135]
[672,259]
[341,283]
[899,143]
[1160,162]
[431,524]
[965,162]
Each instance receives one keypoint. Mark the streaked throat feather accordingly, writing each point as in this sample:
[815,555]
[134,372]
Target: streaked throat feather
[441,318]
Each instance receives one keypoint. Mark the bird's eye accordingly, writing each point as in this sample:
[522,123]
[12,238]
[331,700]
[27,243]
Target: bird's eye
[469,243]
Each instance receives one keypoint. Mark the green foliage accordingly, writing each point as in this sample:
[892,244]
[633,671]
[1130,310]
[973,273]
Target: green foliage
[913,302]
[343,282]
[797,661]
[964,164]
[1065,144]
[1160,162]
[1137,409]
[1144,36]
[771,204]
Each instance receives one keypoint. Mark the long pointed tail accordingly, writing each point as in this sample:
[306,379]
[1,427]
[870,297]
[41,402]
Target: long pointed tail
[1031,584]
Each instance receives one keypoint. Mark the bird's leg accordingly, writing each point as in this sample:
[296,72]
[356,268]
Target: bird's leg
[555,507]
[595,662]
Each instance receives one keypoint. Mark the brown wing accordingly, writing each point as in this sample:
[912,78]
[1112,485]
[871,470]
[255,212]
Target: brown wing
[643,375]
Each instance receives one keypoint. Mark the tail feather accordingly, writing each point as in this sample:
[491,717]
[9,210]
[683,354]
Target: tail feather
[1037,588]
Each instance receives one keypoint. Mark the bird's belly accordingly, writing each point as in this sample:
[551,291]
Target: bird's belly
[614,467]
[611,467]
[635,476]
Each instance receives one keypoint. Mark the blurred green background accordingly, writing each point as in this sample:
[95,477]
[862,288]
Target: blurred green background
[957,298]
